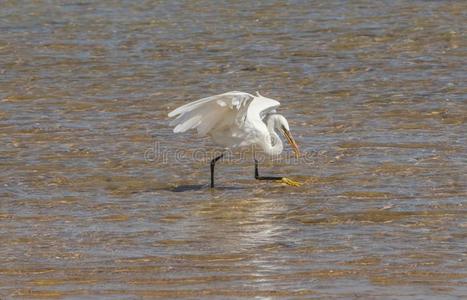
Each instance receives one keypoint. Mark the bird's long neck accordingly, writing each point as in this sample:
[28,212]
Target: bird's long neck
[274,145]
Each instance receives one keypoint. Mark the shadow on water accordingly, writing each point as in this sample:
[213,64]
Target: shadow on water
[199,187]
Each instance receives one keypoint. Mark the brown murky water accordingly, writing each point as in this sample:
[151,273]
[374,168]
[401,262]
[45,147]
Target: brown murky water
[376,94]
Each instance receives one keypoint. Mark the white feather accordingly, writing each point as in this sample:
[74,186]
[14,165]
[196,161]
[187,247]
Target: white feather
[232,119]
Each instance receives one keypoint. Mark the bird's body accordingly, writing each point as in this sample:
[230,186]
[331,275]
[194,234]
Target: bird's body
[235,119]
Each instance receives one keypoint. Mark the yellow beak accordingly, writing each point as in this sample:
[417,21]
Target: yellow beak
[292,142]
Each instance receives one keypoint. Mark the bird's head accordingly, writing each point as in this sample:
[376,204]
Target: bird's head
[281,124]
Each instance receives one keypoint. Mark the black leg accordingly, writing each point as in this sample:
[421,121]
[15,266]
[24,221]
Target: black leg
[213,163]
[264,177]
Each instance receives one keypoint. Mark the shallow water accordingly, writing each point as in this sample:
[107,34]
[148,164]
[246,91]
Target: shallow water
[376,97]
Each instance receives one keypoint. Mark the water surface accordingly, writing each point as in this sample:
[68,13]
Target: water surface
[375,93]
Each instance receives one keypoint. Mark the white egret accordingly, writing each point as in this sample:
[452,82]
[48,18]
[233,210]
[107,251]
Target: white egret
[237,119]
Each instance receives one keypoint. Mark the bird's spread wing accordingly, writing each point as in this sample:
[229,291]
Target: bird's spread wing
[228,109]
[206,113]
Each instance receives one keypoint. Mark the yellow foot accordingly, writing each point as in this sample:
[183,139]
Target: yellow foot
[290,182]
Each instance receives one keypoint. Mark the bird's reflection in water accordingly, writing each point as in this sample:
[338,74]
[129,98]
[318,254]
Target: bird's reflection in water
[251,231]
